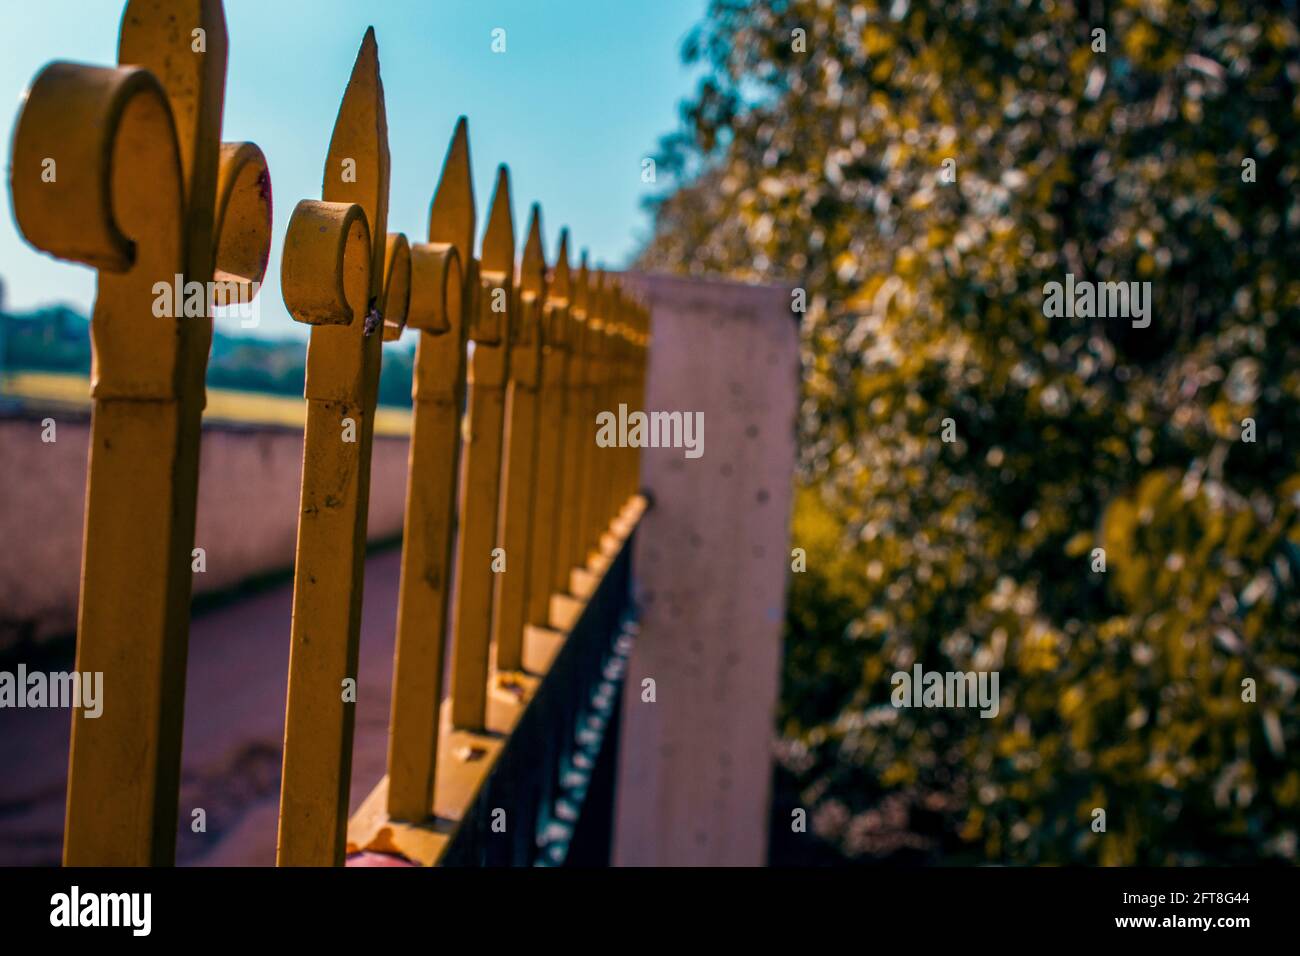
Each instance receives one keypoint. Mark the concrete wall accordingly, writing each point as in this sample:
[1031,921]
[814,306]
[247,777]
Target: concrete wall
[247,514]
[712,556]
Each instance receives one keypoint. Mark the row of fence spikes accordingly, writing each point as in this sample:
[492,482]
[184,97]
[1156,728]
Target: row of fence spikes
[199,208]
[500,308]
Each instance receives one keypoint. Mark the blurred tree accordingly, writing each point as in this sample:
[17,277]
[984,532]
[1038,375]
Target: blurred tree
[1160,150]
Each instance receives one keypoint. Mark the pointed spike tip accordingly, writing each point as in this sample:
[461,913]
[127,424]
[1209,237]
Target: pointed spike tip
[451,215]
[561,283]
[582,285]
[499,240]
[533,268]
[360,139]
[368,52]
[599,304]
[534,225]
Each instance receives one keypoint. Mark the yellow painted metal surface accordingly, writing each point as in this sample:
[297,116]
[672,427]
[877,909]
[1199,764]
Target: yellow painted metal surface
[614,492]
[548,500]
[626,479]
[137,173]
[438,391]
[606,459]
[623,488]
[396,294]
[333,277]
[577,436]
[491,330]
[146,193]
[519,468]
[458,791]
[640,369]
[591,457]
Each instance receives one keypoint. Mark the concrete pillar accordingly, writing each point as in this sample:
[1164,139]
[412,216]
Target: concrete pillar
[711,566]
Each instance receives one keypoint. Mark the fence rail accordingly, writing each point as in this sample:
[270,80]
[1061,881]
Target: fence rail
[517,525]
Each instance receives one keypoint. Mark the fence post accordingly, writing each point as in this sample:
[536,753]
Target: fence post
[632,358]
[643,341]
[622,360]
[638,364]
[610,458]
[491,331]
[552,451]
[577,433]
[693,781]
[336,275]
[159,113]
[437,392]
[603,470]
[519,471]
[592,334]
[592,462]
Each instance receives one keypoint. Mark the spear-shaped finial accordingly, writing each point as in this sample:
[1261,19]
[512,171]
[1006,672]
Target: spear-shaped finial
[451,216]
[195,81]
[594,346]
[552,454]
[496,267]
[520,467]
[122,168]
[580,410]
[334,276]
[499,240]
[532,292]
[559,299]
[357,167]
[561,286]
[492,332]
[444,291]
[532,271]
[582,288]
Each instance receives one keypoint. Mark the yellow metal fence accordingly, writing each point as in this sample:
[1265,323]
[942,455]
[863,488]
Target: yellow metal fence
[514,516]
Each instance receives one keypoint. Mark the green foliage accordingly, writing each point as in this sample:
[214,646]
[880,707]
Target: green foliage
[54,339]
[1120,690]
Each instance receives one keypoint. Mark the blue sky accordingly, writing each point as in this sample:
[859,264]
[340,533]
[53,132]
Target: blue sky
[574,105]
